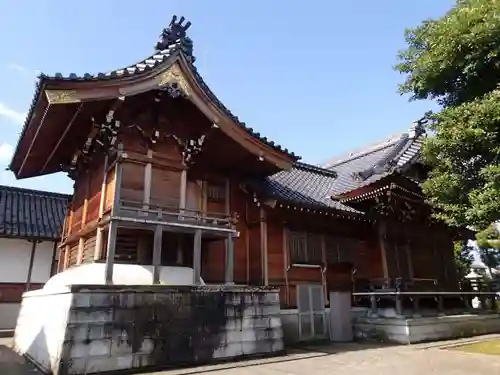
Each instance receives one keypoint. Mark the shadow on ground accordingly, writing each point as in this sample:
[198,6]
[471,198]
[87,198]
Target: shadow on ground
[13,364]
[294,354]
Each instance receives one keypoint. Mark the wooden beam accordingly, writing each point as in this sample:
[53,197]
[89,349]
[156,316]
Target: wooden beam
[157,253]
[30,266]
[63,136]
[197,257]
[28,153]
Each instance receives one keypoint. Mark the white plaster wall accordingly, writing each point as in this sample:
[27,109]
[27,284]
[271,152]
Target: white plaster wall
[8,315]
[123,274]
[41,327]
[15,259]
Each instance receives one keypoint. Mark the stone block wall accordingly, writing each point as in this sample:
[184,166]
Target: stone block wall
[111,328]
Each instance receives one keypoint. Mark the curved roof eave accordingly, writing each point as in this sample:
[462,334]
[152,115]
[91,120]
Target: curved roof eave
[146,68]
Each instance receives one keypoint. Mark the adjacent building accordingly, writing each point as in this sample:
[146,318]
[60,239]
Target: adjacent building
[30,227]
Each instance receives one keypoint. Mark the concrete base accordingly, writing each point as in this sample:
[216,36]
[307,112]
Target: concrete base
[85,329]
[415,330]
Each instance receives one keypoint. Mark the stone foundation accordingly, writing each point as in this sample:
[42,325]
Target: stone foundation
[93,328]
[415,330]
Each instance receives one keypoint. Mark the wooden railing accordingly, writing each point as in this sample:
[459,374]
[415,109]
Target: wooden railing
[137,210]
[410,293]
[395,284]
[488,300]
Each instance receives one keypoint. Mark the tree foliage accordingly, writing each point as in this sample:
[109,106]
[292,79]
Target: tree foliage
[463,257]
[488,243]
[456,61]
[455,58]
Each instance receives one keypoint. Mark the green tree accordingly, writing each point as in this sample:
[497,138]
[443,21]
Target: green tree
[488,243]
[463,257]
[455,60]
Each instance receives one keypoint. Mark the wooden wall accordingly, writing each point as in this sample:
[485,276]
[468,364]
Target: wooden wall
[214,251]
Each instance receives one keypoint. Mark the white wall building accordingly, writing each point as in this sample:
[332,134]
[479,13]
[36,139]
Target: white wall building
[30,225]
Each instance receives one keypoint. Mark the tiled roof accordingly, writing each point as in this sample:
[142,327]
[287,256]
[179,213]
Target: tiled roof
[303,185]
[376,162]
[31,213]
[170,50]
[311,186]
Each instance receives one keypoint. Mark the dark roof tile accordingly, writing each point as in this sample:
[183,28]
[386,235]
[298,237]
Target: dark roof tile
[33,214]
[303,185]
[376,162]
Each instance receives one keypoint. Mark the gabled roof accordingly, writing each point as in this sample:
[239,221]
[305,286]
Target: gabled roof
[31,214]
[304,185]
[321,188]
[366,166]
[174,47]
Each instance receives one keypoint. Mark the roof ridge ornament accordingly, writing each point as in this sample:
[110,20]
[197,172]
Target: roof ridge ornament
[176,32]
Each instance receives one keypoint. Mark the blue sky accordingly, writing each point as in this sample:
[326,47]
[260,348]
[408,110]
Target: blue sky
[313,76]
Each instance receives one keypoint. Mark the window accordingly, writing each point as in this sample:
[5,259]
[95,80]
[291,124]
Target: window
[216,192]
[305,248]
[340,249]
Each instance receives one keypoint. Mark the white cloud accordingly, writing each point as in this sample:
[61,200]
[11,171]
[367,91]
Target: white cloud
[6,151]
[14,66]
[11,114]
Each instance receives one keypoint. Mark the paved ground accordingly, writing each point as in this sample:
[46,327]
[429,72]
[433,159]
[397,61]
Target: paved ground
[330,359]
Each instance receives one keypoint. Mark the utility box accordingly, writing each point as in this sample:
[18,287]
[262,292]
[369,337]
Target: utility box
[340,317]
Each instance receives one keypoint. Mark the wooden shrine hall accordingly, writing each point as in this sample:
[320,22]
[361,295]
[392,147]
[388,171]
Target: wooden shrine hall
[166,176]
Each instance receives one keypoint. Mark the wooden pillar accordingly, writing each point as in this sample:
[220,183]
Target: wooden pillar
[30,266]
[157,254]
[110,252]
[147,181]
[66,257]
[323,269]
[229,242]
[53,262]
[197,257]
[113,225]
[81,244]
[182,200]
[100,234]
[229,277]
[86,200]
[102,201]
[263,247]
[285,265]
[409,258]
[382,230]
